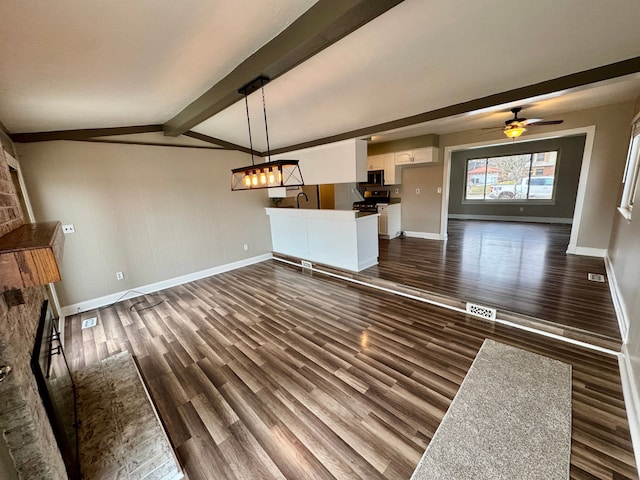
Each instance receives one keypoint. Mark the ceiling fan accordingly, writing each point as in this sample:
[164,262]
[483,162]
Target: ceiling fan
[516,126]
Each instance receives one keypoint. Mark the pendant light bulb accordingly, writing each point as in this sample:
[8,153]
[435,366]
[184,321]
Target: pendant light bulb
[272,177]
[263,178]
[247,180]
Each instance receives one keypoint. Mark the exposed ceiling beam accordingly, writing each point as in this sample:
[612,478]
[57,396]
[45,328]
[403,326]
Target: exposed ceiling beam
[82,134]
[319,27]
[574,80]
[222,143]
[151,144]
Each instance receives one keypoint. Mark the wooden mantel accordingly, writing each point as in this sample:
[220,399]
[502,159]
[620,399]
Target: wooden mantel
[30,255]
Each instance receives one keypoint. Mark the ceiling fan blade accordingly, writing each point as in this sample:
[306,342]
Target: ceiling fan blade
[544,122]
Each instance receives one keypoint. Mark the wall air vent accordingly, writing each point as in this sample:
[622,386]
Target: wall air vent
[481,311]
[596,277]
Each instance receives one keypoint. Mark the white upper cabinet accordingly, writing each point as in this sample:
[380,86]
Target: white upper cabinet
[387,163]
[375,162]
[404,158]
[339,162]
[417,156]
[392,175]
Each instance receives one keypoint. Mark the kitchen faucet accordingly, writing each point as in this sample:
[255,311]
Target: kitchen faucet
[298,198]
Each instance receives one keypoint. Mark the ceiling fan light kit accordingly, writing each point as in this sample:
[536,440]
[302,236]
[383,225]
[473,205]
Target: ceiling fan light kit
[514,132]
[517,126]
[279,173]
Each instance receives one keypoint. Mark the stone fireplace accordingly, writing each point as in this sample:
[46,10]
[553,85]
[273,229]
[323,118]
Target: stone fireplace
[24,424]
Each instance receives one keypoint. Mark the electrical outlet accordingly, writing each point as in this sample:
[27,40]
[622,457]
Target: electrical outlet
[439,190]
[396,190]
[119,275]
[245,247]
[68,228]
[417,191]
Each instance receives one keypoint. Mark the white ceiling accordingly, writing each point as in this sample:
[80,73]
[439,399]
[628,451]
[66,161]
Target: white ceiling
[73,64]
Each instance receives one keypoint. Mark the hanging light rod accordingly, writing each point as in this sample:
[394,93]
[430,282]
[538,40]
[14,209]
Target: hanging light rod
[279,173]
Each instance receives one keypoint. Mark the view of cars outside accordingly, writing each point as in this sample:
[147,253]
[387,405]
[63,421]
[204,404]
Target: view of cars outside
[514,177]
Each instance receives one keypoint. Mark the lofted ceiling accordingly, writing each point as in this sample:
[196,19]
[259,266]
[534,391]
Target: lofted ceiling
[413,67]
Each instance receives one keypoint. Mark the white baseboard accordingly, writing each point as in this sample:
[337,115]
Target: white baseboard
[618,301]
[511,218]
[631,400]
[587,251]
[154,287]
[425,235]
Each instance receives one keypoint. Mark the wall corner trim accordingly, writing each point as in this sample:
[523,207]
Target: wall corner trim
[631,400]
[72,309]
[618,301]
[587,251]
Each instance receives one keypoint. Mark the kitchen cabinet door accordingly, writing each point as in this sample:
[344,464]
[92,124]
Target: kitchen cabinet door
[404,158]
[375,162]
[419,155]
[425,155]
[392,174]
[394,220]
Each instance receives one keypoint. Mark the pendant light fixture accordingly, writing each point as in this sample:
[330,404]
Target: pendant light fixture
[279,173]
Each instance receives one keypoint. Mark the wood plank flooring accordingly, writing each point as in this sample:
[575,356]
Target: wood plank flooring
[268,372]
[517,267]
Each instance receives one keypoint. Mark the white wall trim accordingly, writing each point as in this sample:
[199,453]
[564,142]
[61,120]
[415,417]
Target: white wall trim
[446,180]
[425,235]
[15,164]
[618,301]
[590,132]
[631,400]
[588,252]
[514,218]
[154,287]
[582,189]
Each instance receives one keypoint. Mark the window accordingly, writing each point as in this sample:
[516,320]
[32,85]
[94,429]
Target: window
[630,179]
[530,176]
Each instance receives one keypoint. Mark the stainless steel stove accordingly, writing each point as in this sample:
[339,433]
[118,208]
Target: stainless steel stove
[373,198]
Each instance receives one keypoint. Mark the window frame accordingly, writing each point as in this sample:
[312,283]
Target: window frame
[631,172]
[512,201]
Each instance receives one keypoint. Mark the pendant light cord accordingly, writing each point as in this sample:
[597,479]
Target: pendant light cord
[246,104]
[266,126]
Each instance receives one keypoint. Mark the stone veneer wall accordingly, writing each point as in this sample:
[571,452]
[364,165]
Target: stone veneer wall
[23,420]
[10,212]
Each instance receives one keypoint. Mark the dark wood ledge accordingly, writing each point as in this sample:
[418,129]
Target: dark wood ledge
[30,255]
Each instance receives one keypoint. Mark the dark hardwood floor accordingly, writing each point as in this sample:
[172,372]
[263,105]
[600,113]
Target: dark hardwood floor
[270,372]
[515,267]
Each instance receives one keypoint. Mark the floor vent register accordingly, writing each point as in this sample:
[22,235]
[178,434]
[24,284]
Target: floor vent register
[481,311]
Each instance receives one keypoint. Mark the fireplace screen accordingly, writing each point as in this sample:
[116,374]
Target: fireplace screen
[56,388]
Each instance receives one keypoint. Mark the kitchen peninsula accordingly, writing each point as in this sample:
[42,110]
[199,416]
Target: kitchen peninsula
[345,239]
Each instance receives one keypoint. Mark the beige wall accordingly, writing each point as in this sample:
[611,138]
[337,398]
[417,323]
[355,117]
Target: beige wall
[154,213]
[421,212]
[624,253]
[603,182]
